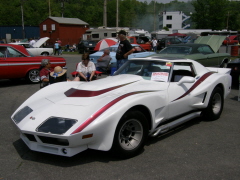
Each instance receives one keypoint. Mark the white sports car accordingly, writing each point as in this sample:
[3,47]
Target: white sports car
[145,97]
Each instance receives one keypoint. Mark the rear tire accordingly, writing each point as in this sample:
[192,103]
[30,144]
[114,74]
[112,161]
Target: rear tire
[45,54]
[33,76]
[130,135]
[215,105]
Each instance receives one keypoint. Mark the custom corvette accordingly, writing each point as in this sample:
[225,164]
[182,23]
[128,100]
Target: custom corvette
[145,97]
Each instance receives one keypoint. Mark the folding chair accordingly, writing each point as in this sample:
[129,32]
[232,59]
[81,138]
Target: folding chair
[75,73]
[105,70]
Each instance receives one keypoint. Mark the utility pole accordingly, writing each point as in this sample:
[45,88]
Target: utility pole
[154,23]
[49,7]
[23,30]
[62,5]
[227,20]
[117,15]
[105,13]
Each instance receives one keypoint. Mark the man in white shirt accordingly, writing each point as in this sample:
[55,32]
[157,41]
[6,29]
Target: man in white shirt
[32,42]
[154,44]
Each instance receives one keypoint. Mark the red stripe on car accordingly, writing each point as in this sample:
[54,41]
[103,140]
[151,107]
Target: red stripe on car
[85,93]
[102,110]
[199,81]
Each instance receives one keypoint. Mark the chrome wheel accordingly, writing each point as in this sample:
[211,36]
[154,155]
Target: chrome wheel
[131,134]
[33,76]
[216,103]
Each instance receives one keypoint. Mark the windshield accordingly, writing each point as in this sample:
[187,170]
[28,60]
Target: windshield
[149,70]
[176,50]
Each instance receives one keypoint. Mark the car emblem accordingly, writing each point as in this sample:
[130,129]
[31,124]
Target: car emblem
[33,118]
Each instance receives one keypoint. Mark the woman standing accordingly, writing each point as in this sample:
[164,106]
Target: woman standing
[86,69]
[56,48]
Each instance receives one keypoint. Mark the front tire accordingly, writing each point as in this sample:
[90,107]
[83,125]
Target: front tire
[33,76]
[215,105]
[130,135]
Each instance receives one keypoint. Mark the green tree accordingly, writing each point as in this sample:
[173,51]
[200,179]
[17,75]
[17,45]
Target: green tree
[210,14]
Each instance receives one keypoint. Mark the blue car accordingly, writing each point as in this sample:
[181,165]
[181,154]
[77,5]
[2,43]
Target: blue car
[139,52]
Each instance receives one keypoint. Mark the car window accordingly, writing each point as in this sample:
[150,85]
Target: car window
[13,53]
[176,50]
[2,51]
[131,40]
[205,50]
[182,69]
[148,70]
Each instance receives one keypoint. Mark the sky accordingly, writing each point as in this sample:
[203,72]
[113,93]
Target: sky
[163,1]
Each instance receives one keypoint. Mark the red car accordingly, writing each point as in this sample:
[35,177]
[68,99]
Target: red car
[231,40]
[16,62]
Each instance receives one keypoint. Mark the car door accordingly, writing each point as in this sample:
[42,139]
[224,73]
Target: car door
[209,57]
[3,63]
[179,95]
[17,64]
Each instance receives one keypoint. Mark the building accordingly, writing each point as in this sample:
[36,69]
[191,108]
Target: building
[102,32]
[68,30]
[9,33]
[173,20]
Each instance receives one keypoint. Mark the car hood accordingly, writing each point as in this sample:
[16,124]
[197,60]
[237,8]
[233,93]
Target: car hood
[103,89]
[169,55]
[40,42]
[213,41]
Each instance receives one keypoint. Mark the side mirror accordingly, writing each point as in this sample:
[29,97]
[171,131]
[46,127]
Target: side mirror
[186,79]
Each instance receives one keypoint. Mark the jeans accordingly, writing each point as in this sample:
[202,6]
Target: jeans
[154,48]
[121,62]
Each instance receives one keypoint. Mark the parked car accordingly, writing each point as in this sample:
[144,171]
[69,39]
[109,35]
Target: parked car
[139,52]
[235,71]
[164,42]
[231,40]
[142,41]
[16,62]
[38,48]
[145,97]
[206,54]
[86,46]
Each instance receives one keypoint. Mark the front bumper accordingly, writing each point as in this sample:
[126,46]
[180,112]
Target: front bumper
[51,146]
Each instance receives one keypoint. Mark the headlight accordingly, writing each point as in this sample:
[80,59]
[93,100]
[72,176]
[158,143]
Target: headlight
[56,125]
[21,114]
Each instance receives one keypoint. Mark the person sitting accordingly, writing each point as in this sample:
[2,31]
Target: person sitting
[103,61]
[86,69]
[58,75]
[45,69]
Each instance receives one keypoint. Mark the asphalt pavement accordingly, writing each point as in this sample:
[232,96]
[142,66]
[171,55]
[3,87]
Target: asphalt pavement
[197,150]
